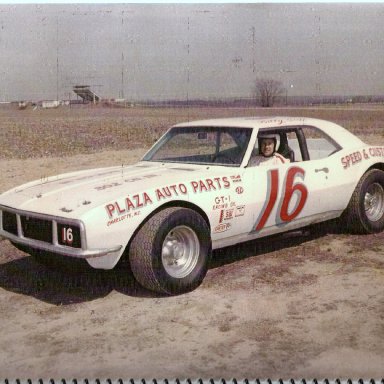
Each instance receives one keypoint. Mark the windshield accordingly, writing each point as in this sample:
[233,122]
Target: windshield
[202,145]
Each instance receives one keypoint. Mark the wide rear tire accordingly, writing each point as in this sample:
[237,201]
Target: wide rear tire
[365,211]
[171,251]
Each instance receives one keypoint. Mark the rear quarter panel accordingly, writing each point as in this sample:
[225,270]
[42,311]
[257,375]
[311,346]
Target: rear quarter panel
[355,162]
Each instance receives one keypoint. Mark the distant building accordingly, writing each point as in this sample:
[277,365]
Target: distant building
[23,104]
[50,104]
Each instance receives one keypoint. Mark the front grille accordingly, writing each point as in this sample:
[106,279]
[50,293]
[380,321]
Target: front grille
[10,222]
[37,229]
[31,227]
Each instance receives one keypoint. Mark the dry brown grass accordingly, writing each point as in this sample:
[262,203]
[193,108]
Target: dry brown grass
[305,305]
[88,129]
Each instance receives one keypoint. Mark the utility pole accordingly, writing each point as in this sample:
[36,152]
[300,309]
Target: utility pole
[122,56]
[188,67]
[57,58]
[253,50]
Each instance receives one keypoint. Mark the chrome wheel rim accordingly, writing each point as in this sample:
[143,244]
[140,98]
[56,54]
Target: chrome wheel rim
[374,202]
[180,251]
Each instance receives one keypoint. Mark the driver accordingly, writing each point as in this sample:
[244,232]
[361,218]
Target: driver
[267,152]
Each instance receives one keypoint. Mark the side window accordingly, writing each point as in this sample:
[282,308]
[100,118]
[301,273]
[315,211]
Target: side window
[319,144]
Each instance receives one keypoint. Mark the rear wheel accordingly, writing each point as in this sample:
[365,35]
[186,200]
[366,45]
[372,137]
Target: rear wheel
[171,251]
[365,212]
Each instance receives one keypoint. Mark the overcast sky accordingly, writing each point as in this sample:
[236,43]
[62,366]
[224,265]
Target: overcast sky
[168,51]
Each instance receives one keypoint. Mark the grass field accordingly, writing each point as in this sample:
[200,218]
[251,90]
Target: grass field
[89,129]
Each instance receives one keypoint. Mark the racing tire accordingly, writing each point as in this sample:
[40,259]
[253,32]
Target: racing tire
[365,211]
[171,251]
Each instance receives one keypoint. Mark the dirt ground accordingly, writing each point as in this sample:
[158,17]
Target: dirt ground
[307,305]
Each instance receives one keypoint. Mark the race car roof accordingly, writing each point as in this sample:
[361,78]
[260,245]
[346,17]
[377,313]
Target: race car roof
[338,133]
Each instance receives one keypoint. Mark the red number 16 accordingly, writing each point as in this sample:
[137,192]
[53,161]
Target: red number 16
[289,189]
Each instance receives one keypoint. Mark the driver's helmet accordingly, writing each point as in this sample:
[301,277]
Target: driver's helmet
[262,136]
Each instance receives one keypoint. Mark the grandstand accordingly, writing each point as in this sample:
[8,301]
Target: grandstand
[84,91]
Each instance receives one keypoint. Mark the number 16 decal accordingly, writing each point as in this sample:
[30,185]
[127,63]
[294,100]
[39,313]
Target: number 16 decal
[290,189]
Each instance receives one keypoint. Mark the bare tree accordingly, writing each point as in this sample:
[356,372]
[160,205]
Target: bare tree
[268,90]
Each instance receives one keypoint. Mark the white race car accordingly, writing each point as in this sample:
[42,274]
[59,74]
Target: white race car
[198,189]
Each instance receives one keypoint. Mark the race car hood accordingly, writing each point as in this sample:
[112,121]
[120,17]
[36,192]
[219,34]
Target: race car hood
[71,194]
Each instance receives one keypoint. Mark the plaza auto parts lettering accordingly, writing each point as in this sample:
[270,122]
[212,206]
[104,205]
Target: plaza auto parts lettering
[123,208]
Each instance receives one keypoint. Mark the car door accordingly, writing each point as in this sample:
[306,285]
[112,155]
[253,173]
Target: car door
[296,194]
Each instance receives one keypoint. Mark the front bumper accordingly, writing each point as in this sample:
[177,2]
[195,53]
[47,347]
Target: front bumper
[17,235]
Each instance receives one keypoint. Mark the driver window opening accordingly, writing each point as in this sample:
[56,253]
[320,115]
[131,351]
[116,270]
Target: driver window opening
[286,148]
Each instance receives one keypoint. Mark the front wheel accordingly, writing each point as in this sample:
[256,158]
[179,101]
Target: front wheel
[365,212]
[171,251]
